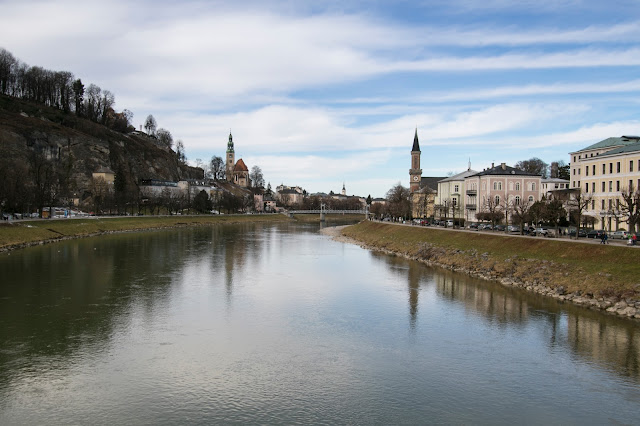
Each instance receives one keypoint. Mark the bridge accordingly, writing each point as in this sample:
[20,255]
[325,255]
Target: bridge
[323,211]
[327,211]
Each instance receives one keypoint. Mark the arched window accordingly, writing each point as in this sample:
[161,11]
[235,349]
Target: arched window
[533,186]
[517,186]
[517,200]
[531,198]
[497,200]
[495,186]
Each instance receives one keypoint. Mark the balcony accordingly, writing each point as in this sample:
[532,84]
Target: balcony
[472,192]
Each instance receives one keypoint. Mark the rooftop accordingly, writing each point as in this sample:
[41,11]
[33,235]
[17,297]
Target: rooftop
[612,142]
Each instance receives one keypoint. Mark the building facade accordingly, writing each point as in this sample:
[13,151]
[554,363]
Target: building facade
[499,188]
[451,195]
[604,172]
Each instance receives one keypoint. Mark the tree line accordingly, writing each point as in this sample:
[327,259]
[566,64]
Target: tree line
[62,91]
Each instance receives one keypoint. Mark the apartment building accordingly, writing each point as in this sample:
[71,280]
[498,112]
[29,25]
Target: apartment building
[602,172]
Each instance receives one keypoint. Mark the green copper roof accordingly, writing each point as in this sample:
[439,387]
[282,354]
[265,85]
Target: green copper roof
[230,143]
[623,149]
[611,142]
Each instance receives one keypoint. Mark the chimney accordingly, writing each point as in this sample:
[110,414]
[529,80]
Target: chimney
[492,165]
[504,166]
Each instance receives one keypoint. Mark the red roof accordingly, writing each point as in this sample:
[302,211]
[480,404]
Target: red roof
[240,166]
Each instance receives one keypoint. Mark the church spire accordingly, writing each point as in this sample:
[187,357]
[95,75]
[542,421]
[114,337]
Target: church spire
[416,145]
[230,143]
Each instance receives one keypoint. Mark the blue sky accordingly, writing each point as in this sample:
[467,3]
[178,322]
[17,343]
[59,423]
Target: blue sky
[321,93]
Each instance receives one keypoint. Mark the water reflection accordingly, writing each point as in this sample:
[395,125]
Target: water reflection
[252,322]
[612,342]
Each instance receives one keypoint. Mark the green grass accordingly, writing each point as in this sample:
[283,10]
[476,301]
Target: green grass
[28,232]
[589,267]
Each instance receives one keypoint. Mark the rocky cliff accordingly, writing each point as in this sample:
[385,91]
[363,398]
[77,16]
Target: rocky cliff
[82,147]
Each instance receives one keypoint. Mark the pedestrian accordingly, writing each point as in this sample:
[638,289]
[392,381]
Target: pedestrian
[602,238]
[634,237]
[606,238]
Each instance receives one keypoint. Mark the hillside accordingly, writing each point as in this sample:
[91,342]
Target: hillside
[31,132]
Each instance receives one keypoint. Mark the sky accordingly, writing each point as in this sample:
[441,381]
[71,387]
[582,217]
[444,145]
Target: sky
[324,93]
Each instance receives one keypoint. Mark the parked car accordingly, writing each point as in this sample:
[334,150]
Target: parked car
[596,233]
[449,224]
[540,231]
[619,235]
[501,228]
[581,233]
[473,227]
[513,228]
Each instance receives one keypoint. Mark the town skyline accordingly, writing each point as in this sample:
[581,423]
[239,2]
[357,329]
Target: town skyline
[318,96]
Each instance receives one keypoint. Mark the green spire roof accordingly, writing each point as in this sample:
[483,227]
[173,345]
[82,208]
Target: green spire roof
[230,143]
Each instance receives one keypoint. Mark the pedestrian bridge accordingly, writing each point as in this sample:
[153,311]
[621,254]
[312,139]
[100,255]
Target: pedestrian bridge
[327,211]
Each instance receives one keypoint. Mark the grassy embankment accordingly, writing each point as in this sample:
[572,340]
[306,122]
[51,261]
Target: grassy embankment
[18,234]
[593,269]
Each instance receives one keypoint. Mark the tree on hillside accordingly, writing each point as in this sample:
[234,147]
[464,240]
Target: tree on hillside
[150,125]
[534,166]
[257,179]
[78,97]
[217,168]
[164,138]
[180,154]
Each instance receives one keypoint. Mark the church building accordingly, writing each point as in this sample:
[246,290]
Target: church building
[237,173]
[423,189]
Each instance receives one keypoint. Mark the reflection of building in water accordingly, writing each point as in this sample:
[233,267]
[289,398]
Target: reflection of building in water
[606,340]
[491,301]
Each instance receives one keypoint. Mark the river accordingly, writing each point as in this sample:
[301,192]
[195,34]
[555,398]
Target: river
[278,324]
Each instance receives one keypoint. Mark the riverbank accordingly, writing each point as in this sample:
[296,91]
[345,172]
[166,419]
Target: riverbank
[597,276]
[20,234]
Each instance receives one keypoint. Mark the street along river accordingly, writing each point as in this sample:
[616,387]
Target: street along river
[275,323]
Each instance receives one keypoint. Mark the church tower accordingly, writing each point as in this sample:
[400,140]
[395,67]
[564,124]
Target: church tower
[415,172]
[231,159]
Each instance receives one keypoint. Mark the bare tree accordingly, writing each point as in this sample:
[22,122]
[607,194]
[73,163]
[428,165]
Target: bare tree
[164,138]
[217,167]
[257,179]
[150,125]
[398,201]
[520,214]
[578,204]
[630,207]
[534,166]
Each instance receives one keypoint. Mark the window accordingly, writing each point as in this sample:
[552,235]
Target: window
[517,200]
[610,204]
[604,170]
[593,204]
[603,184]
[618,167]
[578,171]
[630,166]
[618,185]
[517,186]
[510,186]
[586,187]
[574,158]
[630,186]
[497,200]
[533,186]
[455,188]
[593,187]
[610,185]
[574,172]
[594,170]
[531,198]
[454,202]
[484,186]
[602,204]
[586,171]
[617,204]
[610,167]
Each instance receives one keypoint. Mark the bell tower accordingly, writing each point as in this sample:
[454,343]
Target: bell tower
[415,172]
[231,157]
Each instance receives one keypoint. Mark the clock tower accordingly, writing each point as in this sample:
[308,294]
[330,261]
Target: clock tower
[231,157]
[415,172]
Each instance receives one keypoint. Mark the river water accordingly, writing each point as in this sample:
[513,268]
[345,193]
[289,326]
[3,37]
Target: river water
[277,324]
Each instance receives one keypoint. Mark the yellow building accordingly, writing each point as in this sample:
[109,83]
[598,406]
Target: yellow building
[603,172]
[104,173]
